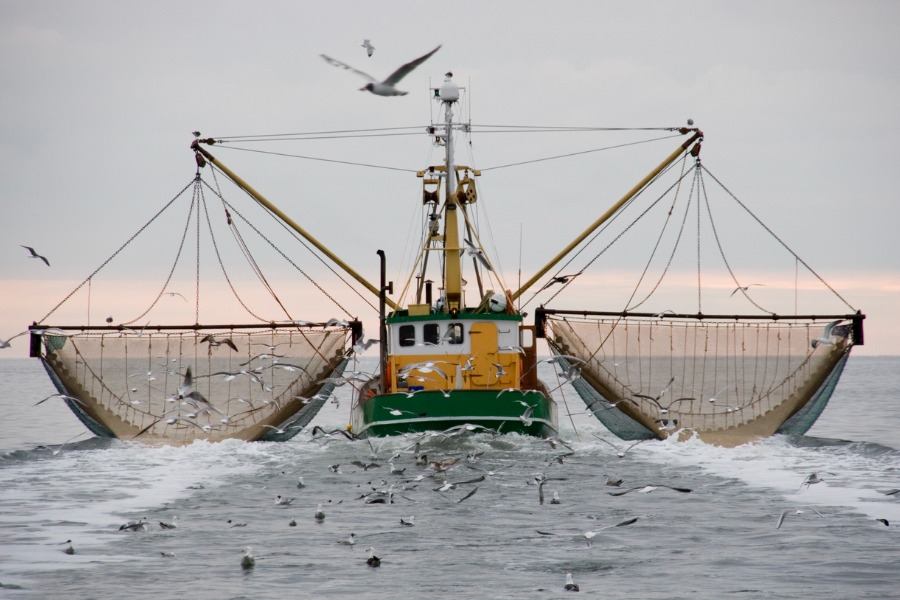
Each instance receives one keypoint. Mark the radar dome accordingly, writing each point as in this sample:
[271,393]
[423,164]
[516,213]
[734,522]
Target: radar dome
[497,303]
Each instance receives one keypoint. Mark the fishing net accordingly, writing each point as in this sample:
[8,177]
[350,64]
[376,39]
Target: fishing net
[720,378]
[246,384]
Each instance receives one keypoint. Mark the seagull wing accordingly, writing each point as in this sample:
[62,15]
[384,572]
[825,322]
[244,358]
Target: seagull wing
[781,519]
[828,328]
[405,70]
[337,63]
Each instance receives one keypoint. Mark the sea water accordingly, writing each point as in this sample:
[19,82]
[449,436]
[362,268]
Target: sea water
[718,541]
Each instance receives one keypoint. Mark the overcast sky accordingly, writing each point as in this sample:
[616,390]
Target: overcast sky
[798,102]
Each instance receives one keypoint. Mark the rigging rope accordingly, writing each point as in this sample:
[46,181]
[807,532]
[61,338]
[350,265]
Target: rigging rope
[291,262]
[330,160]
[699,177]
[174,264]
[772,233]
[114,254]
[571,154]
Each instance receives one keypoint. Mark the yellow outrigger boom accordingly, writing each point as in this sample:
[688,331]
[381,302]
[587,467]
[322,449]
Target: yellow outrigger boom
[290,222]
[698,136]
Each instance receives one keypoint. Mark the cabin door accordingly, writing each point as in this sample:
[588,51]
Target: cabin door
[484,351]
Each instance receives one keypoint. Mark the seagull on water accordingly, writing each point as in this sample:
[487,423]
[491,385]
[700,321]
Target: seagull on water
[373,560]
[283,501]
[248,561]
[36,255]
[349,541]
[570,586]
[320,514]
[368,46]
[386,87]
[408,522]
[135,525]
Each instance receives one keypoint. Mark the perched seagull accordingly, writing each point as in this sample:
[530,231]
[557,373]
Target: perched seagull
[386,87]
[248,561]
[744,288]
[570,586]
[373,560]
[368,46]
[36,255]
[826,335]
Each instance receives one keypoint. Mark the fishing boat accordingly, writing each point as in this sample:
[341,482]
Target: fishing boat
[455,351]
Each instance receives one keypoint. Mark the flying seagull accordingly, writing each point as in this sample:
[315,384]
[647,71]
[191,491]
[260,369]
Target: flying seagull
[368,46]
[36,255]
[744,288]
[473,250]
[826,335]
[386,87]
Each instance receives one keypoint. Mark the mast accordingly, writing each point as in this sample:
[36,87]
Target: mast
[449,94]
[286,219]
[698,135]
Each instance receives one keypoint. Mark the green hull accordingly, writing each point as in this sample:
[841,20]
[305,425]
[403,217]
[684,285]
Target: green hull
[434,411]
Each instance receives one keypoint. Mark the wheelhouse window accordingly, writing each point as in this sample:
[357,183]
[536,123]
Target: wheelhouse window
[407,335]
[432,333]
[454,333]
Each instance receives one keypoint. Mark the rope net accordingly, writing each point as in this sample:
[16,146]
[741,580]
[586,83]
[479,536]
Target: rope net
[244,382]
[724,379]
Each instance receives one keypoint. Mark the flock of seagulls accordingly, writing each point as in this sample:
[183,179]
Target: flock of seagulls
[378,481]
